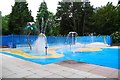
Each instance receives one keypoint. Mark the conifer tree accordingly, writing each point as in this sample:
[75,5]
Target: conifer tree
[42,17]
[19,17]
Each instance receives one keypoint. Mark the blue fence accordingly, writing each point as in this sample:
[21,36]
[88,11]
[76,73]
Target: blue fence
[90,39]
[21,39]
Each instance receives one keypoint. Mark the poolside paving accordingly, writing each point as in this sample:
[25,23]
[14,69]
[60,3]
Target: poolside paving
[17,68]
[94,69]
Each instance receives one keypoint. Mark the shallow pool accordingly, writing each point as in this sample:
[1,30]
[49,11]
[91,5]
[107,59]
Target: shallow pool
[106,57]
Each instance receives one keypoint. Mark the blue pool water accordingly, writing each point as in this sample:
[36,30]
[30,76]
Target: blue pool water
[38,60]
[107,57]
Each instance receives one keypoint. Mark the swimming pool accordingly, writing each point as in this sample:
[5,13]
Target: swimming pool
[105,57]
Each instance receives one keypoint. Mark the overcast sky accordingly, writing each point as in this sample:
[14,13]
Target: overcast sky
[5,5]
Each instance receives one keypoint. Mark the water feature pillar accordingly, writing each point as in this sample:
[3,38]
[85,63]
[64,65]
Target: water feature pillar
[45,39]
[72,35]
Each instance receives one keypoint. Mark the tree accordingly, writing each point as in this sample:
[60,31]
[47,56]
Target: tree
[115,37]
[77,17]
[104,20]
[64,17]
[19,17]
[86,17]
[82,12]
[53,25]
[5,29]
[74,16]
[46,21]
[117,21]
[0,23]
[42,17]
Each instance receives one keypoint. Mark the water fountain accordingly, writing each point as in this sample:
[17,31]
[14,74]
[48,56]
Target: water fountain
[92,37]
[39,48]
[71,39]
[40,45]
[95,44]
[72,36]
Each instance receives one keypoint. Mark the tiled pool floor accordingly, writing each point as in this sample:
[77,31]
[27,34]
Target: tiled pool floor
[12,67]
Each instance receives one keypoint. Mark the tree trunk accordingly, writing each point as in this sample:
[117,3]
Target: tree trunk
[28,40]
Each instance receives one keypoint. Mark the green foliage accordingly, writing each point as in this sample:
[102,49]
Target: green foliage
[84,19]
[5,30]
[64,18]
[117,20]
[42,14]
[0,23]
[49,23]
[19,17]
[105,20]
[88,12]
[74,17]
[52,26]
[69,17]
[116,37]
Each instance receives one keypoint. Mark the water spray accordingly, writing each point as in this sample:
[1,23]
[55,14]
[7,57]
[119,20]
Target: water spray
[43,35]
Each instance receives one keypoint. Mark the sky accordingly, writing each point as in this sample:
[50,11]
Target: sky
[5,5]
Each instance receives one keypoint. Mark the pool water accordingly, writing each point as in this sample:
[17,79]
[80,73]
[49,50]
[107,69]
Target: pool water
[42,61]
[107,57]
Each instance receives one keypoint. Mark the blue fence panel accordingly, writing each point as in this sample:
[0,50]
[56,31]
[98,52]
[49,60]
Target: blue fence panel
[5,40]
[90,39]
[56,40]
[109,40]
[21,39]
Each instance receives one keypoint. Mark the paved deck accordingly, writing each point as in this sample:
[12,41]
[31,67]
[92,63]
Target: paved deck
[17,68]
[94,69]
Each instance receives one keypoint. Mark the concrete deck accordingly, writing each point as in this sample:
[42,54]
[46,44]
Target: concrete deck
[12,67]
